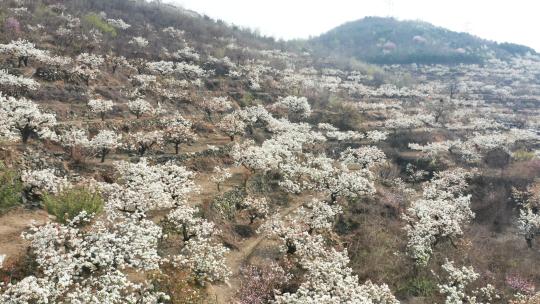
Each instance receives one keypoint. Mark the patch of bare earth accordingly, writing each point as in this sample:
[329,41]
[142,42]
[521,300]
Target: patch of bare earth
[12,225]
[224,293]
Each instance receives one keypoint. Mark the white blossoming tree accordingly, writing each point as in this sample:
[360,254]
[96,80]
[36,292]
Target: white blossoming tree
[142,187]
[105,142]
[232,125]
[215,105]
[38,182]
[440,214]
[201,252]
[220,175]
[139,42]
[456,286]
[529,218]
[255,208]
[178,131]
[329,280]
[297,107]
[74,138]
[16,85]
[100,106]
[365,157]
[23,118]
[142,142]
[140,107]
[67,272]
[206,260]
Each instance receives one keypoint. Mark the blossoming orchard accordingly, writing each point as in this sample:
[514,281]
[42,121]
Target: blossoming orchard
[151,155]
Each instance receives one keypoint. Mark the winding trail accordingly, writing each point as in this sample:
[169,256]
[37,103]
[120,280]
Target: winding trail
[224,293]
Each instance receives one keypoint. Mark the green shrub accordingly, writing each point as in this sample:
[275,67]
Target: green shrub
[420,287]
[523,155]
[247,100]
[227,204]
[43,12]
[10,189]
[96,21]
[69,203]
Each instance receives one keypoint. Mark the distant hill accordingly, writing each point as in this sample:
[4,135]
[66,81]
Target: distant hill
[389,41]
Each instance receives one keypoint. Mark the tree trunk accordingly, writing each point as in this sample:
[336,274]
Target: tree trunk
[529,242]
[142,150]
[25,134]
[291,248]
[333,198]
[185,235]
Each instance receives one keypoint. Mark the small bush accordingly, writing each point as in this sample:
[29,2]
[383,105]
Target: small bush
[69,203]
[420,287]
[96,21]
[10,189]
[228,203]
[522,155]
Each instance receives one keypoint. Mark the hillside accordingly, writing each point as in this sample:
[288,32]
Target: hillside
[150,154]
[390,41]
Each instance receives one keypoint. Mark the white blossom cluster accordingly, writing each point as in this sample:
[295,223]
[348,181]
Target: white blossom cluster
[118,23]
[90,60]
[178,131]
[104,142]
[89,260]
[456,286]
[85,265]
[181,69]
[477,145]
[439,214]
[215,105]
[331,281]
[255,207]
[401,121]
[12,83]
[100,106]
[143,187]
[288,152]
[365,157]
[142,141]
[21,118]
[328,279]
[20,48]
[144,81]
[74,137]
[140,107]
[139,42]
[232,125]
[529,220]
[43,181]
[187,54]
[220,174]
[296,106]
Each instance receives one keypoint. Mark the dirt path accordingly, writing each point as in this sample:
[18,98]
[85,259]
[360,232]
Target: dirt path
[223,293]
[12,225]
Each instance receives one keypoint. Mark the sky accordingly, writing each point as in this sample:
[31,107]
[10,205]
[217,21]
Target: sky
[514,21]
